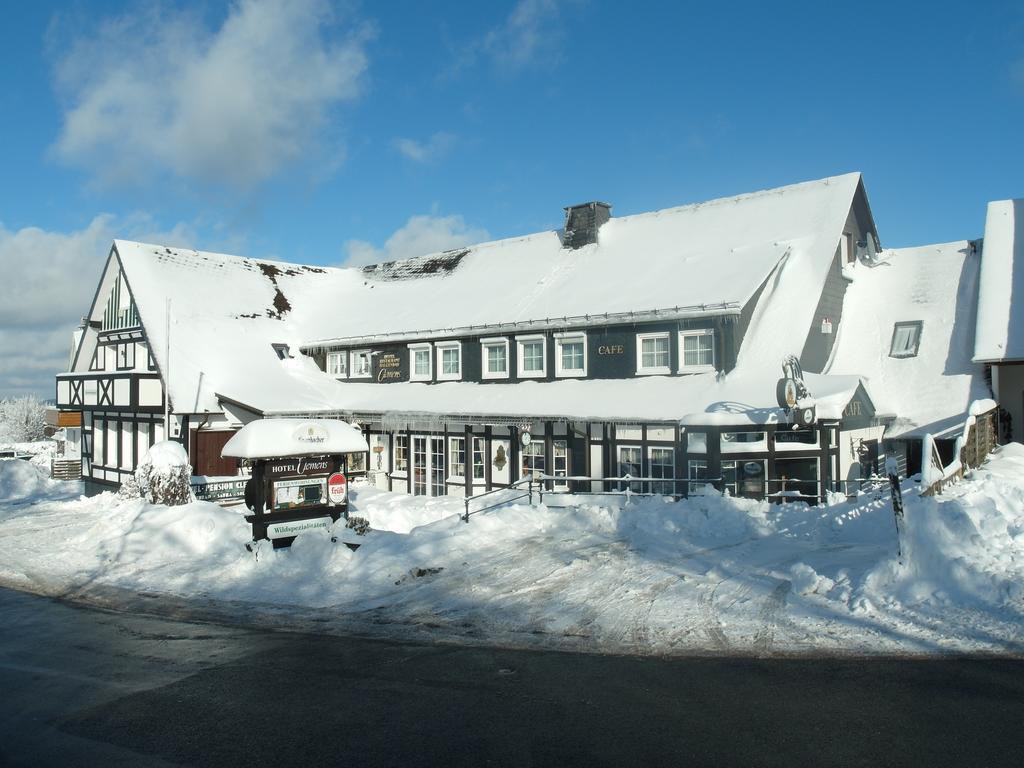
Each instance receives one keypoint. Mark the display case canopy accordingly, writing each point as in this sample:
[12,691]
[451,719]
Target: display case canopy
[278,438]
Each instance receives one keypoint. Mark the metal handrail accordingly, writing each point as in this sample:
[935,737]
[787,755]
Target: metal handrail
[528,495]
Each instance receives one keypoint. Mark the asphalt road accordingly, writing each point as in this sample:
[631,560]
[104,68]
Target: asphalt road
[81,687]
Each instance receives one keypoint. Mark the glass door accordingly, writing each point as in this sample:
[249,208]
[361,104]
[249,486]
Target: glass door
[437,469]
[560,455]
[419,466]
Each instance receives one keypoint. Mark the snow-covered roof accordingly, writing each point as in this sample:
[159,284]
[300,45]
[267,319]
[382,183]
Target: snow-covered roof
[716,252]
[938,286]
[690,400]
[1000,334]
[278,438]
[227,311]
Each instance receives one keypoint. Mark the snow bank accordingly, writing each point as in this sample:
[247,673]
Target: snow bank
[21,480]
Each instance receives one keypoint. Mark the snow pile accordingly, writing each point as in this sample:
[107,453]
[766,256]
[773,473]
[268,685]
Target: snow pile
[162,477]
[964,547]
[21,480]
[603,573]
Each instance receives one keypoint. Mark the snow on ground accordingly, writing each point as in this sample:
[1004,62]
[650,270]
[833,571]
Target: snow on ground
[709,574]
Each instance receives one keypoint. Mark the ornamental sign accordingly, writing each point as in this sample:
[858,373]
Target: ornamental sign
[791,393]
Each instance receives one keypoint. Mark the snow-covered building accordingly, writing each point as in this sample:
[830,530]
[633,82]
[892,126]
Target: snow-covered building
[646,345]
[999,342]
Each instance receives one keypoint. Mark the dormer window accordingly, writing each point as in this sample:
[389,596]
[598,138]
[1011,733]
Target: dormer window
[532,360]
[696,350]
[420,362]
[337,364]
[449,361]
[495,358]
[652,353]
[906,337]
[281,350]
[360,364]
[570,354]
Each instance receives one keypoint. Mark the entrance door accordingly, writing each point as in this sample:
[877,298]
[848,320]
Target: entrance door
[428,466]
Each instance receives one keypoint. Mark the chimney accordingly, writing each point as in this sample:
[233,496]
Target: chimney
[582,222]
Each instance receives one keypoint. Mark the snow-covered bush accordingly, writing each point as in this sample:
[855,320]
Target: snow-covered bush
[22,419]
[162,476]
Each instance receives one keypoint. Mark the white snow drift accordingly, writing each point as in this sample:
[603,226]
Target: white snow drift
[707,574]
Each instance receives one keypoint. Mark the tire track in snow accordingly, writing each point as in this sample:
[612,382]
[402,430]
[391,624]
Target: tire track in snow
[709,619]
[773,606]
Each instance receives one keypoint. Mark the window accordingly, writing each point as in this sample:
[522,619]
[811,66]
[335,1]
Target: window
[420,359]
[478,458]
[652,353]
[570,354]
[698,471]
[742,437]
[361,364]
[281,350]
[629,464]
[97,359]
[125,356]
[449,356]
[457,457]
[531,357]
[533,458]
[905,339]
[495,358]
[560,456]
[336,363]
[729,482]
[401,463]
[696,350]
[662,463]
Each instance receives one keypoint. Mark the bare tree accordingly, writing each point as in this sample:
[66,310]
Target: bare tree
[22,419]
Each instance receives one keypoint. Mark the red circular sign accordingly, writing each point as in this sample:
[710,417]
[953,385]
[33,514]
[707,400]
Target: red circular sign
[337,488]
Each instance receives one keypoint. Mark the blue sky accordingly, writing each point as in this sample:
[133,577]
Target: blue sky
[331,132]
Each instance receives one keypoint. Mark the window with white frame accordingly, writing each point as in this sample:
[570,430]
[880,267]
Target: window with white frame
[696,350]
[652,353]
[478,458]
[457,457]
[420,362]
[570,354]
[532,360]
[401,463]
[495,358]
[661,462]
[337,363]
[698,475]
[905,339]
[449,361]
[630,466]
[534,458]
[360,364]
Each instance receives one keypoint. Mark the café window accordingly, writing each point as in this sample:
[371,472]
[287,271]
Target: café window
[534,456]
[532,364]
[905,339]
[661,463]
[696,350]
[401,463]
[457,457]
[478,458]
[336,363]
[570,354]
[361,364]
[449,361]
[495,354]
[421,364]
[630,466]
[652,353]
[698,475]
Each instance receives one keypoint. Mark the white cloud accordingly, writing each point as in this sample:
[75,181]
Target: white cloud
[419,236]
[49,282]
[158,91]
[528,37]
[432,150]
